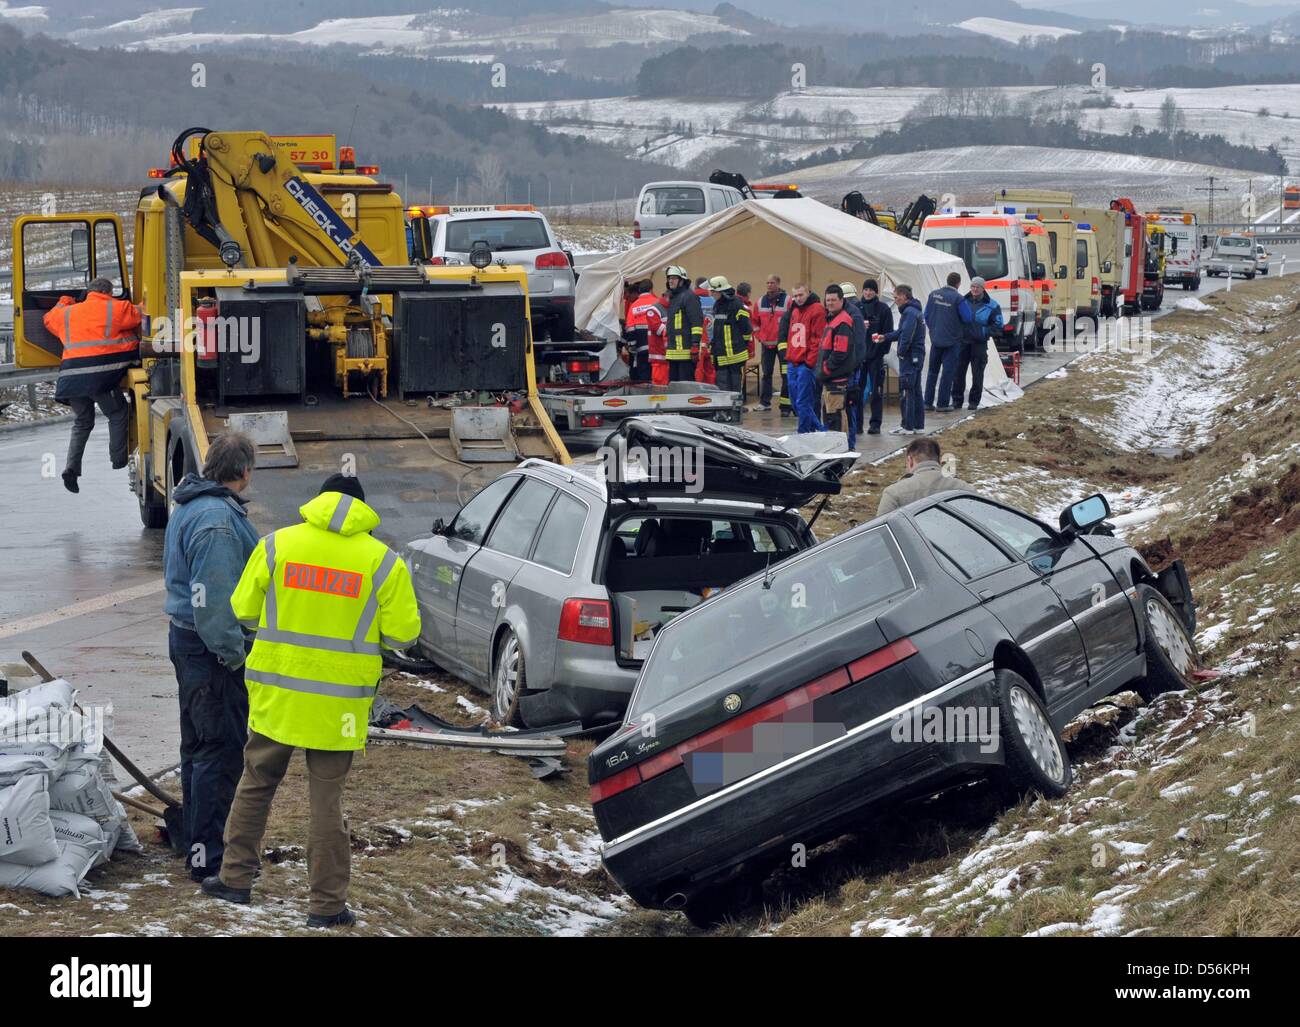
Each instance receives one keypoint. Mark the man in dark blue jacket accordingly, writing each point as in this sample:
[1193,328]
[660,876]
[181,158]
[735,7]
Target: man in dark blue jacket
[209,540]
[910,336]
[879,320]
[986,322]
[946,316]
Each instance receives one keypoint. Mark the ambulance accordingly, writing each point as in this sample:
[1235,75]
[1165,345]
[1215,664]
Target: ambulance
[1183,249]
[993,247]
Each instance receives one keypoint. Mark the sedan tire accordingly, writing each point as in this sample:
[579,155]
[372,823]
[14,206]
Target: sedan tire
[1170,651]
[1036,760]
[508,680]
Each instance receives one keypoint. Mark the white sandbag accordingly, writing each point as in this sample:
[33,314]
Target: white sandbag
[121,835]
[81,788]
[57,693]
[59,876]
[26,832]
[47,759]
[74,827]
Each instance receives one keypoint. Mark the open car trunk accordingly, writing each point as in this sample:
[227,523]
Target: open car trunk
[696,506]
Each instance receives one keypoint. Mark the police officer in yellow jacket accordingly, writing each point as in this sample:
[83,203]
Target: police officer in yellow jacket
[323,597]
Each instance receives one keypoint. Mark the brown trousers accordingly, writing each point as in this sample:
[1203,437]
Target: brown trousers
[329,851]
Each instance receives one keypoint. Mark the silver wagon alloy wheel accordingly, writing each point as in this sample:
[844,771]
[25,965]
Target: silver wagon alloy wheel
[1037,733]
[1170,636]
[507,682]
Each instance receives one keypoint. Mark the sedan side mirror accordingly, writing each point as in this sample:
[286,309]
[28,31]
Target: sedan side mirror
[439,526]
[1079,517]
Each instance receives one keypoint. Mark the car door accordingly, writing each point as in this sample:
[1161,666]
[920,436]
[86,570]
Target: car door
[438,563]
[1014,593]
[1085,586]
[490,570]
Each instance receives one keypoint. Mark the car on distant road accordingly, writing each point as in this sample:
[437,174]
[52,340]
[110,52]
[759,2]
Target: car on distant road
[548,587]
[1232,254]
[664,207]
[949,640]
[1261,259]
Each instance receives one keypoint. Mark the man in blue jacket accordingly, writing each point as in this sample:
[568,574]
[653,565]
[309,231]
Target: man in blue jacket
[946,316]
[910,337]
[209,540]
[986,322]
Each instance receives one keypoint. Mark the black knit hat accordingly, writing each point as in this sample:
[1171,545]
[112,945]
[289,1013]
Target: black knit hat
[871,284]
[345,483]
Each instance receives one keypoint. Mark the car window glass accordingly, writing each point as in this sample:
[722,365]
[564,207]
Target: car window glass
[514,530]
[673,200]
[959,544]
[558,542]
[471,524]
[749,619]
[1023,534]
[498,233]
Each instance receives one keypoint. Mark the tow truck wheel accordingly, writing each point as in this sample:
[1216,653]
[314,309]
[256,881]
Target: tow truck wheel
[508,680]
[1170,651]
[1036,760]
[153,509]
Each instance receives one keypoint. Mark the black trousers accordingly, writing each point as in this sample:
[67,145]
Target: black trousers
[113,404]
[214,728]
[873,391]
[975,357]
[681,370]
[770,367]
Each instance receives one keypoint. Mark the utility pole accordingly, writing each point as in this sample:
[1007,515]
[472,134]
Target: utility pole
[1211,189]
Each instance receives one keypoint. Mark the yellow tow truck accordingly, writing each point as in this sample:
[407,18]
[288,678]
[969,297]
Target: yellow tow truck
[280,298]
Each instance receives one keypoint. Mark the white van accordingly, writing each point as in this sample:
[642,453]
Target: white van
[665,206]
[992,245]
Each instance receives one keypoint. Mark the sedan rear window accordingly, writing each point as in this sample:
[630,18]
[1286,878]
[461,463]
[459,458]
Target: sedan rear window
[498,233]
[747,620]
[673,200]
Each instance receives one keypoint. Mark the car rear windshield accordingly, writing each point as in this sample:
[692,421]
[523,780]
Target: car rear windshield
[747,620]
[673,200]
[985,258]
[1234,244]
[498,233]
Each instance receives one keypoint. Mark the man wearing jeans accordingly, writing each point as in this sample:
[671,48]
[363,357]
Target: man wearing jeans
[208,541]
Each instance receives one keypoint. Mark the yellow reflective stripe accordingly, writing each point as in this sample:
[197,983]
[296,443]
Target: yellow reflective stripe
[309,685]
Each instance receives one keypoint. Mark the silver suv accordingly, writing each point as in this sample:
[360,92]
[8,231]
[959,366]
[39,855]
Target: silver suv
[547,588]
[518,234]
[1233,254]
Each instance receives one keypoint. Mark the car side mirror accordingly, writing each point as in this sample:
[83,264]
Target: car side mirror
[1061,272]
[1040,272]
[1079,517]
[81,249]
[439,526]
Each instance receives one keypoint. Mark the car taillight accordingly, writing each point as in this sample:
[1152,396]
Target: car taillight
[553,259]
[438,261]
[592,420]
[1095,286]
[636,229]
[582,366]
[586,620]
[1015,300]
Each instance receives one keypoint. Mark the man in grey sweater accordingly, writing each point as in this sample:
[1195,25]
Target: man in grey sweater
[924,477]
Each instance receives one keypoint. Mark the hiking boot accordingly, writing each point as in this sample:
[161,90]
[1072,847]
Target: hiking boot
[70,481]
[213,887]
[343,918]
[873,431]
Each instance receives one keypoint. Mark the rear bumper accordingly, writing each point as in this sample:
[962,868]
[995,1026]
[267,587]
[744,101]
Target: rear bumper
[805,799]
[592,688]
[551,305]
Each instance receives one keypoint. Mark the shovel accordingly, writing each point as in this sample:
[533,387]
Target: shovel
[170,814]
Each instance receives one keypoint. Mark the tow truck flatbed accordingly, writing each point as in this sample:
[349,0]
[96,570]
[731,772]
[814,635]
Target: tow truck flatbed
[574,409]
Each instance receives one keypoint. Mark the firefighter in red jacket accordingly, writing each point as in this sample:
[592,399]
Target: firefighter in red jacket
[839,359]
[772,308]
[644,327]
[101,339]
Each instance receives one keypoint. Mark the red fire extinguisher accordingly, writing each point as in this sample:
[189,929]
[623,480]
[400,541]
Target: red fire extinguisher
[206,316]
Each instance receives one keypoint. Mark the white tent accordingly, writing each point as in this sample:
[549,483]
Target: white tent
[802,240]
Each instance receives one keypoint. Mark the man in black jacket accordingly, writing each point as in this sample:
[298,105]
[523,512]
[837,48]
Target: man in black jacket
[871,380]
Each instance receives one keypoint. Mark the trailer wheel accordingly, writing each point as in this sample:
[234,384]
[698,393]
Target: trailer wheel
[153,509]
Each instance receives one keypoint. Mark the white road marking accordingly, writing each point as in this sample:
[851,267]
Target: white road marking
[78,609]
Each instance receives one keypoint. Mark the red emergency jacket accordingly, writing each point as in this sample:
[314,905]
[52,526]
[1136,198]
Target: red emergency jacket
[804,328]
[767,324]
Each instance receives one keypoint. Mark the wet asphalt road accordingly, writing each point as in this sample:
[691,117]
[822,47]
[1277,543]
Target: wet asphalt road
[81,585]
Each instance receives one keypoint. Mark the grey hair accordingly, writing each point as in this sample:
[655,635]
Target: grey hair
[230,457]
[104,285]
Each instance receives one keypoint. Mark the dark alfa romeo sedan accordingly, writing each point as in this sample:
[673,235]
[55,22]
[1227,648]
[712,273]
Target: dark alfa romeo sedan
[949,639]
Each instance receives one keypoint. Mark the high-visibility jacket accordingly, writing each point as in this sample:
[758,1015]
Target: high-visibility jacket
[323,597]
[731,332]
[643,312]
[685,325]
[101,339]
[771,309]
